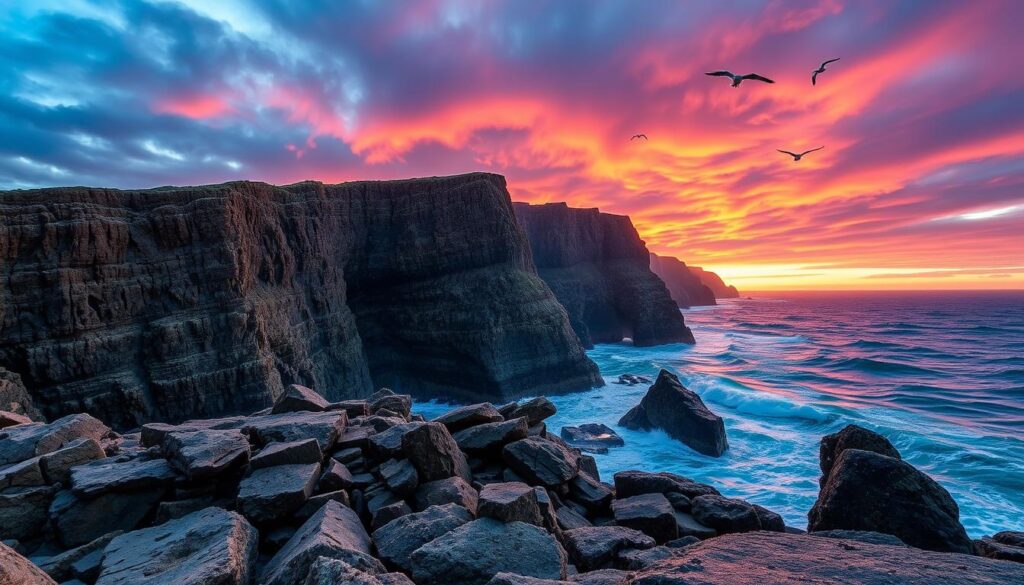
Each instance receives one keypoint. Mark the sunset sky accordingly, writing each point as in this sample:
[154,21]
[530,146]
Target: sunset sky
[920,184]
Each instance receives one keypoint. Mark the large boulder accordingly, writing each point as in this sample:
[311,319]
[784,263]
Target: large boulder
[488,438]
[869,491]
[211,546]
[57,465]
[671,407]
[509,502]
[592,436]
[24,512]
[334,532]
[400,476]
[851,437]
[272,493]
[772,558]
[77,521]
[651,514]
[595,547]
[296,398]
[387,443]
[634,483]
[453,490]
[206,454]
[22,442]
[327,571]
[305,451]
[725,515]
[470,415]
[61,566]
[120,475]
[325,427]
[534,410]
[541,462]
[436,455]
[474,553]
[592,494]
[397,539]
[17,570]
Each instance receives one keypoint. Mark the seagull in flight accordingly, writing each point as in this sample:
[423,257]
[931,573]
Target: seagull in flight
[738,79]
[821,69]
[796,156]
[635,136]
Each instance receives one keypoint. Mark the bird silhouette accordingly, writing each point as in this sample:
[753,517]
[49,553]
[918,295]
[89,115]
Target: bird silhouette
[738,79]
[635,136]
[821,69]
[796,156]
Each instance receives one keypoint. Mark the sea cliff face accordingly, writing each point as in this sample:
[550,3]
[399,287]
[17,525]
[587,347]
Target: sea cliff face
[175,302]
[715,283]
[686,288]
[599,269]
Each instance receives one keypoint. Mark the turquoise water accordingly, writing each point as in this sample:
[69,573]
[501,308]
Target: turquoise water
[940,374]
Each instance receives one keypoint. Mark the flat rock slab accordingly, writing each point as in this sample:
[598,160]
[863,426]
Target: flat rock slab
[509,502]
[772,558]
[206,454]
[595,547]
[22,442]
[633,483]
[335,532]
[534,410]
[397,539]
[296,398]
[57,465]
[153,434]
[541,462]
[211,546]
[118,475]
[325,427]
[491,437]
[17,570]
[725,514]
[474,553]
[272,493]
[291,453]
[470,415]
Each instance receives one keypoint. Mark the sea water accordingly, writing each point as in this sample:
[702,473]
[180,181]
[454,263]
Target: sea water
[941,374]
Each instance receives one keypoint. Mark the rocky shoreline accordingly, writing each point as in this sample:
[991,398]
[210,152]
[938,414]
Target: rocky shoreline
[365,492]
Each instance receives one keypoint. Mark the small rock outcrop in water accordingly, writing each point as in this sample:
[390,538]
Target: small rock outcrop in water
[869,490]
[599,268]
[686,287]
[185,302]
[670,406]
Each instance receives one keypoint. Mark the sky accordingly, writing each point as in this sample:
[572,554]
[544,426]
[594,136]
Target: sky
[920,183]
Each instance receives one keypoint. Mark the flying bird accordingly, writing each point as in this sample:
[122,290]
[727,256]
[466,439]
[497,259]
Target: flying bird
[796,156]
[738,79]
[821,69]
[635,136]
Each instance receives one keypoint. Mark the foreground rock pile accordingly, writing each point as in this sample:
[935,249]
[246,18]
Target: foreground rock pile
[363,492]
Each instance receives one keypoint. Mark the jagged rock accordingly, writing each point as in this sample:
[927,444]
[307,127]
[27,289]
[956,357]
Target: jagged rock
[993,549]
[314,503]
[680,502]
[299,398]
[588,465]
[513,579]
[595,547]
[473,553]
[772,558]
[206,454]
[546,505]
[861,536]
[271,493]
[326,571]
[153,434]
[77,521]
[869,491]
[397,539]
[687,525]
[490,438]
[603,577]
[725,515]
[670,406]
[651,514]
[453,490]
[431,448]
[769,520]
[206,547]
[385,514]
[23,442]
[57,465]
[291,453]
[592,494]
[17,570]
[541,462]
[24,512]
[385,399]
[509,502]
[634,483]
[636,559]
[468,416]
[352,408]
[334,477]
[599,268]
[534,411]
[288,427]
[686,288]
[399,476]
[851,437]
[592,436]
[569,518]
[59,566]
[334,532]
[9,419]
[117,475]
[388,443]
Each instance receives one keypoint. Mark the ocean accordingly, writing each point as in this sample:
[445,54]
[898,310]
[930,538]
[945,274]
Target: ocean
[941,374]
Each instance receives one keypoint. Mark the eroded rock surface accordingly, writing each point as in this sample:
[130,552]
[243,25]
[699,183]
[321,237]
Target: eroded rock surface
[670,406]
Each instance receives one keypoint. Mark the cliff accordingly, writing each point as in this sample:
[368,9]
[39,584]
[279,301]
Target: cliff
[599,268]
[715,283]
[172,303]
[686,288]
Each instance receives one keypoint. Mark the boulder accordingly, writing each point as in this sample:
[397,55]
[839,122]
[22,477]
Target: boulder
[469,416]
[206,454]
[633,483]
[24,512]
[296,398]
[335,477]
[28,473]
[352,408]
[769,520]
[178,508]
[334,532]
[651,514]
[17,570]
[205,547]
[869,491]
[993,549]
[488,438]
[77,521]
[772,558]
[453,490]
[687,525]
[474,553]
[534,411]
[541,462]
[291,453]
[568,518]
[57,465]
[385,514]
[592,494]
[592,436]
[1010,537]
[595,547]
[153,434]
[851,437]
[385,399]
[397,539]
[671,407]
[725,515]
[327,571]
[22,442]
[635,559]
[120,475]
[325,427]
[314,503]
[509,502]
[387,443]
[59,566]
[400,476]
[431,448]
[272,493]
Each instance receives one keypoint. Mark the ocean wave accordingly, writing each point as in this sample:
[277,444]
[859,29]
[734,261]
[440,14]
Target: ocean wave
[751,402]
[876,366]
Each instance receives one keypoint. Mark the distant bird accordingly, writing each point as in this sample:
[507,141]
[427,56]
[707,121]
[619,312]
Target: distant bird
[738,79]
[821,69]
[635,136]
[796,156]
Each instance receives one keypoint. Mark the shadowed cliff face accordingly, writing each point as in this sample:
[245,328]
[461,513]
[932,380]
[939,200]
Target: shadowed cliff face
[179,302]
[715,283]
[686,288]
[598,267]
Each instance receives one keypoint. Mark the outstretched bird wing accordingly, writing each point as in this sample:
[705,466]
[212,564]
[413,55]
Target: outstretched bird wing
[822,67]
[811,150]
[719,73]
[787,152]
[814,77]
[757,77]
